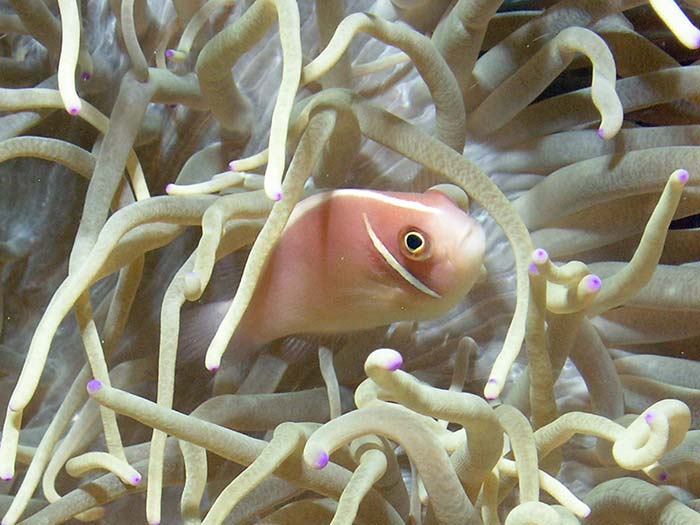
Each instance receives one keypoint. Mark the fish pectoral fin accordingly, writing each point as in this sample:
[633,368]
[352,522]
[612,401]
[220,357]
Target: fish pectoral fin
[483,274]
[396,265]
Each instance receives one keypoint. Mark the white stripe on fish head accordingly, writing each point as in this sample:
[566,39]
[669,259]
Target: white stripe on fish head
[375,196]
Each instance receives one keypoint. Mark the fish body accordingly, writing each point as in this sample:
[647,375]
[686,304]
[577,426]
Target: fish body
[356,259]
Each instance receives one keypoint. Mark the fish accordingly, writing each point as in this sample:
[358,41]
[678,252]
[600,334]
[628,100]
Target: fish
[356,259]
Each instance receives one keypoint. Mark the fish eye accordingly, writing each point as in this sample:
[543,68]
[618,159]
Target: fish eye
[415,245]
[414,242]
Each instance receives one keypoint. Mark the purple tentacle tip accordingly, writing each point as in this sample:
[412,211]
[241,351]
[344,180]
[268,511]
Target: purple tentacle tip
[213,369]
[649,417]
[85,76]
[232,166]
[601,133]
[540,255]
[533,269]
[136,479]
[169,187]
[322,460]
[277,196]
[594,283]
[663,476]
[492,381]
[94,386]
[6,477]
[169,53]
[394,365]
[73,110]
[683,176]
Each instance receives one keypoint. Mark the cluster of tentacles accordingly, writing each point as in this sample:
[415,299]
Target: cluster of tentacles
[198,127]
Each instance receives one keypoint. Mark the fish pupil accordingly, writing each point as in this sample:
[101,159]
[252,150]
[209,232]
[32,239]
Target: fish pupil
[414,241]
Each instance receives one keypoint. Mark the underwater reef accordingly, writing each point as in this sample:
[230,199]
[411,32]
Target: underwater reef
[391,262]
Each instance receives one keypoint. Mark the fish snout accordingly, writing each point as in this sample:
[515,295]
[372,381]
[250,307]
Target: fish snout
[473,240]
[469,249]
[460,261]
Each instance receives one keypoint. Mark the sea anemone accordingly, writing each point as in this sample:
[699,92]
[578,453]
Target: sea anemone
[196,129]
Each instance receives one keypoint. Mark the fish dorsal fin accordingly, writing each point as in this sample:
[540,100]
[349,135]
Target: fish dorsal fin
[454,193]
[391,261]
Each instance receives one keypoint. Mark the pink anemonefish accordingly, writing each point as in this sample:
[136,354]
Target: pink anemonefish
[354,259]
